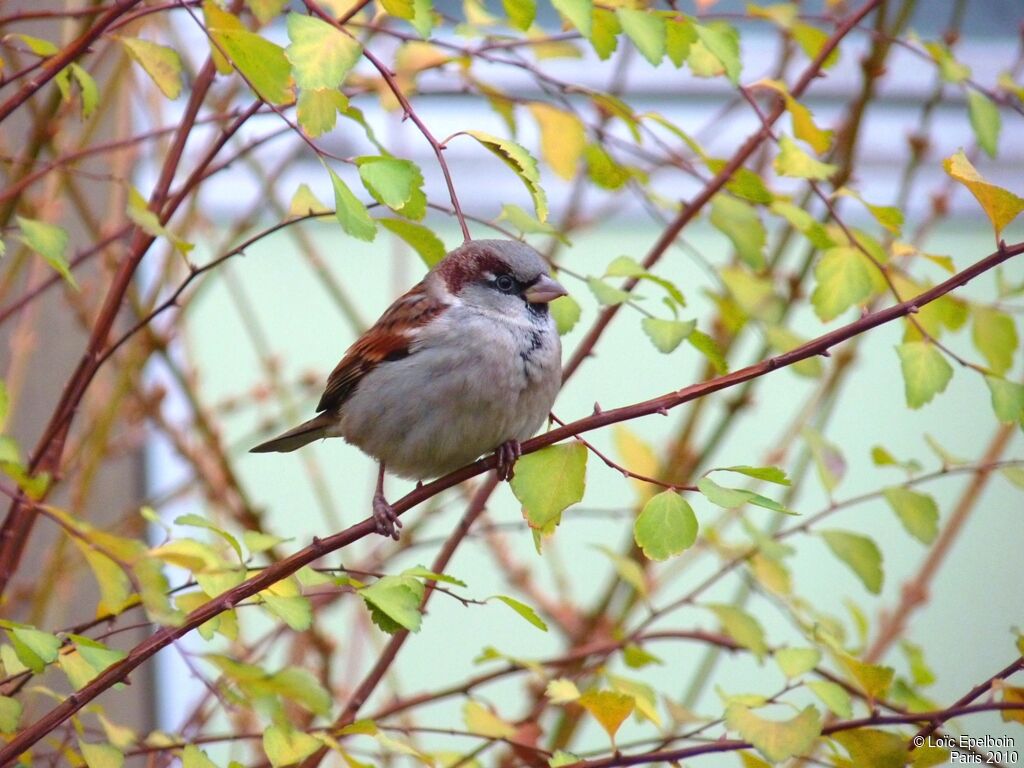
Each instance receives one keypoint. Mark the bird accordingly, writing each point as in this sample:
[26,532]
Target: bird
[465,363]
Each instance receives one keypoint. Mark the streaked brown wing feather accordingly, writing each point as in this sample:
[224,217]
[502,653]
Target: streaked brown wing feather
[388,339]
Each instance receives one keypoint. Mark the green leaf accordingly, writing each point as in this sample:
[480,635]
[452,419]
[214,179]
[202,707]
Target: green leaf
[550,480]
[605,31]
[523,610]
[161,63]
[768,474]
[10,714]
[101,755]
[520,161]
[722,41]
[394,602]
[804,223]
[419,238]
[521,13]
[527,224]
[566,312]
[318,110]
[833,696]
[919,669]
[794,162]
[843,276]
[284,745]
[609,708]
[1000,205]
[607,294]
[350,212]
[917,511]
[666,335]
[262,63]
[741,627]
[925,371]
[708,347]
[37,45]
[294,610]
[1007,399]
[860,554]
[874,748]
[995,335]
[579,12]
[90,92]
[50,242]
[665,526]
[320,54]
[43,645]
[562,138]
[985,121]
[193,757]
[776,740]
[741,224]
[646,30]
[392,182]
[796,661]
[638,658]
[733,498]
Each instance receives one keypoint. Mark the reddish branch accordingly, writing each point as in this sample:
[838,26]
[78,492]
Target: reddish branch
[166,635]
[53,65]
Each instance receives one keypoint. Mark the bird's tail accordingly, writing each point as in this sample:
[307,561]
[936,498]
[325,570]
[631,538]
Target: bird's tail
[307,432]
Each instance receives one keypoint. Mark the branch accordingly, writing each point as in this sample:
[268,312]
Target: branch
[282,569]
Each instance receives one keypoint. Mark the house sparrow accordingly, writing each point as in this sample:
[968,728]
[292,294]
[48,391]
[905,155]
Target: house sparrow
[467,362]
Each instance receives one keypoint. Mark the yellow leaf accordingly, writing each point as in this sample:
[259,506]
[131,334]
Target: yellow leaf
[1000,205]
[479,719]
[562,691]
[637,456]
[609,708]
[562,138]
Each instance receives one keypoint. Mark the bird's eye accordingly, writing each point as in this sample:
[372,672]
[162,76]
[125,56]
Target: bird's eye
[505,284]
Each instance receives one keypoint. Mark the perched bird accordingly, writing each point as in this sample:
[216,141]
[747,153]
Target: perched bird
[467,362]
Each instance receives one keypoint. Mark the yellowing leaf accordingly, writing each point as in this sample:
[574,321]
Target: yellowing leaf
[520,161]
[741,224]
[161,63]
[804,127]
[394,603]
[873,679]
[995,335]
[579,12]
[320,54]
[50,242]
[521,13]
[776,740]
[666,335]
[420,238]
[796,661]
[193,757]
[637,455]
[562,691]
[318,110]
[1000,205]
[860,553]
[843,278]
[481,720]
[793,161]
[523,610]
[101,755]
[917,511]
[647,31]
[812,39]
[1007,399]
[548,481]
[874,748]
[666,526]
[741,627]
[926,372]
[722,41]
[285,746]
[262,63]
[609,708]
[562,138]
[833,696]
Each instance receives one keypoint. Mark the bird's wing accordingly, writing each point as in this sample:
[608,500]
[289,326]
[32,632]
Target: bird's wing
[390,338]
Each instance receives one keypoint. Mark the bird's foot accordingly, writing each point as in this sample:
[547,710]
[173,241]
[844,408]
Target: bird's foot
[508,453]
[385,517]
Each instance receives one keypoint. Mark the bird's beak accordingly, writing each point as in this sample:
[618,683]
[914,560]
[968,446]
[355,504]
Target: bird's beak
[544,290]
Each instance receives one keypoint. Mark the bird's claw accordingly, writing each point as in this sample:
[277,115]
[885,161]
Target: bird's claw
[385,518]
[508,453]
